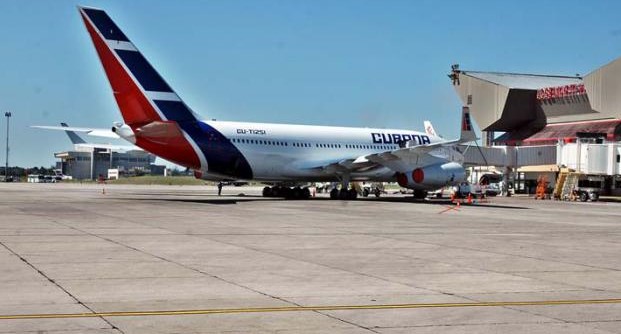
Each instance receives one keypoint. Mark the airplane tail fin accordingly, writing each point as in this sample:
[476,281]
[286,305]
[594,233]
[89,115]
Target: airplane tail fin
[429,129]
[140,92]
[467,130]
[162,123]
[75,139]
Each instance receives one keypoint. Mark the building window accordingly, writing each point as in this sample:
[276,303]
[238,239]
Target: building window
[469,99]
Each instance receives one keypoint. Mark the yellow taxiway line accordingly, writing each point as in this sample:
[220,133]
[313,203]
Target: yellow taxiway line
[310,308]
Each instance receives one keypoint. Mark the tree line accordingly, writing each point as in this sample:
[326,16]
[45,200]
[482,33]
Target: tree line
[22,171]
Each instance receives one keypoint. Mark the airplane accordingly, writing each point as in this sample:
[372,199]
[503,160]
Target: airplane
[157,120]
[79,143]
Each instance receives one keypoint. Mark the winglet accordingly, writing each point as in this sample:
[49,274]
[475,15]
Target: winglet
[467,130]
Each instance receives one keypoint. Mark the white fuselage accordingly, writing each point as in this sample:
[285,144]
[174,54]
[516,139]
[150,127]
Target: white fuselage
[288,152]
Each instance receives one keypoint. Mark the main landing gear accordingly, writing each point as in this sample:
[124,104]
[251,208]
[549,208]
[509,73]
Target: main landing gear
[343,193]
[287,192]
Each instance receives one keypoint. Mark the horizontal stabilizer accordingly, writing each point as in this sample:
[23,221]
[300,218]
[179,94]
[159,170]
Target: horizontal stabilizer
[89,131]
[111,147]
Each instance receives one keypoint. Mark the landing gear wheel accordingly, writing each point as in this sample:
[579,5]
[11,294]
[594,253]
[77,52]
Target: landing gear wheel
[296,193]
[306,193]
[352,194]
[267,192]
[584,197]
[594,197]
[420,194]
[365,193]
[377,192]
[334,193]
[286,192]
[343,194]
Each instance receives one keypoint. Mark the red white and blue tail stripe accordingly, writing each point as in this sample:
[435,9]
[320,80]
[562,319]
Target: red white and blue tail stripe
[148,104]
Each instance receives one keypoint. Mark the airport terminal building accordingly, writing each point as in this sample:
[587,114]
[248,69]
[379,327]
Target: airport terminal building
[548,122]
[91,163]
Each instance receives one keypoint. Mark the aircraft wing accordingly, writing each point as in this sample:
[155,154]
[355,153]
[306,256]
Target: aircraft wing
[359,164]
[337,165]
[79,142]
[405,158]
[398,160]
[89,131]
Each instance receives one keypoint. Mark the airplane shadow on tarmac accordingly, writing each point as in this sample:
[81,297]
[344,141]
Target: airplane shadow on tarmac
[240,198]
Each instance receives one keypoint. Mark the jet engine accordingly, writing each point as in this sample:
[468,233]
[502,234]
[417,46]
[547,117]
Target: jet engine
[124,131]
[432,176]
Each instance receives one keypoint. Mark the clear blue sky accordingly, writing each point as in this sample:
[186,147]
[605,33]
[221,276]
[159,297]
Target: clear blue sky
[380,63]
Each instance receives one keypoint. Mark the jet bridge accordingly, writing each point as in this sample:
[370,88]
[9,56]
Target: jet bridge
[509,156]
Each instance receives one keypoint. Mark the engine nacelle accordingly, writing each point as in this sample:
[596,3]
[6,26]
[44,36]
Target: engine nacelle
[433,176]
[124,131]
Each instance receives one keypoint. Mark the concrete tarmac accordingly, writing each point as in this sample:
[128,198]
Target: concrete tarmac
[164,259]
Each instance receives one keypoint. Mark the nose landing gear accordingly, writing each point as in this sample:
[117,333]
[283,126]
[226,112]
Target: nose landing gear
[420,194]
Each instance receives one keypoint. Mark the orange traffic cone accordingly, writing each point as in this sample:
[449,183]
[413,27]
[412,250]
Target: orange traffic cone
[469,198]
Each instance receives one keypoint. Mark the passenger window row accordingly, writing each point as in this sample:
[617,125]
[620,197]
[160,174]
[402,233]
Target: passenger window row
[371,147]
[295,144]
[259,142]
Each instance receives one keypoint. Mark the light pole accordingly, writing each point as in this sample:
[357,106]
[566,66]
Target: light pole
[6,166]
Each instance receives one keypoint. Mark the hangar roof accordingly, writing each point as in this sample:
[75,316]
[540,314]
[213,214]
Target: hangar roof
[524,81]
